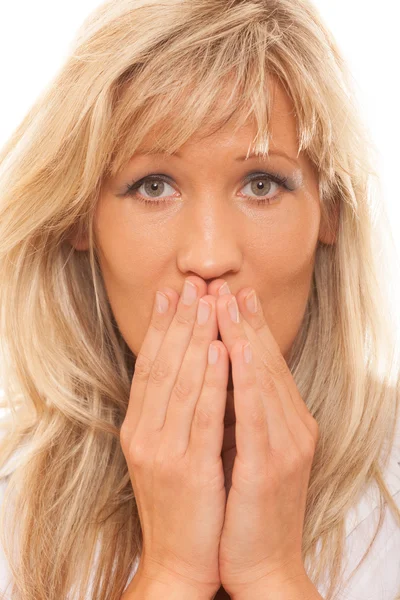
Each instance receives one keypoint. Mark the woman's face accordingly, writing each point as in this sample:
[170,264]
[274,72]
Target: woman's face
[205,226]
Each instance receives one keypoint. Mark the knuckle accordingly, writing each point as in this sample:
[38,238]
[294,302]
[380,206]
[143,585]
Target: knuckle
[289,458]
[279,458]
[275,361]
[159,325]
[237,345]
[254,476]
[248,382]
[203,418]
[160,371]
[314,428]
[124,436]
[211,382]
[182,389]
[138,453]
[257,418]
[259,323]
[267,383]
[183,319]
[295,461]
[276,364]
[143,366]
[309,446]
[200,336]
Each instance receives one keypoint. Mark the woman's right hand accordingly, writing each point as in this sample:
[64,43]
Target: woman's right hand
[172,439]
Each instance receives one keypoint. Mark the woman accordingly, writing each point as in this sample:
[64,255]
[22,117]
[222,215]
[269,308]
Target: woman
[217,143]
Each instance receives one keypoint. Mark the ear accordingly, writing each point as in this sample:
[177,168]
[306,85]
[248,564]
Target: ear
[329,225]
[78,241]
[80,246]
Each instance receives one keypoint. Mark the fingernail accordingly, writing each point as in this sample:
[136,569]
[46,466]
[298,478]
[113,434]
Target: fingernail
[224,289]
[233,310]
[189,293]
[213,353]
[162,302]
[247,353]
[203,312]
[251,302]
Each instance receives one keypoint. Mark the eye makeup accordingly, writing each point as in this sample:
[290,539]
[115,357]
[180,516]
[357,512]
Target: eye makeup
[282,181]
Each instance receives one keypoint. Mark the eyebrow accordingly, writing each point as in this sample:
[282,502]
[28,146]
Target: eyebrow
[238,159]
[274,153]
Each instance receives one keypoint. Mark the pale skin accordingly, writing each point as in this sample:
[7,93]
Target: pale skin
[207,230]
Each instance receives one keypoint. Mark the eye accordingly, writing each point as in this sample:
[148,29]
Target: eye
[266,187]
[153,185]
[260,184]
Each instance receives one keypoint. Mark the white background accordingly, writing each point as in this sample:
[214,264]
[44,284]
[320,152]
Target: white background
[35,37]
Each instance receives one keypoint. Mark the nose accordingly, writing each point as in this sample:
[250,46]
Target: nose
[211,242]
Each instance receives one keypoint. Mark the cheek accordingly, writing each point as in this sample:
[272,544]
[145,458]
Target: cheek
[284,249]
[287,266]
[131,266]
[124,251]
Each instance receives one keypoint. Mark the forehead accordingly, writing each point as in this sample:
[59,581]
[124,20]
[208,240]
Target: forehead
[282,129]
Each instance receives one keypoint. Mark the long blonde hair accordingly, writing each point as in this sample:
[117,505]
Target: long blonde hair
[67,370]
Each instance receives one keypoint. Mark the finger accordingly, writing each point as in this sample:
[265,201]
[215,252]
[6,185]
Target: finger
[231,326]
[161,319]
[189,381]
[278,424]
[230,322]
[251,419]
[271,356]
[168,361]
[261,426]
[218,287]
[207,428]
[275,397]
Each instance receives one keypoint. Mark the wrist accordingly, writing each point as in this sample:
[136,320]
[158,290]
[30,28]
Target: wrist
[146,588]
[290,588]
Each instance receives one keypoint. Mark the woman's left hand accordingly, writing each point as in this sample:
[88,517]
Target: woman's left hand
[276,437]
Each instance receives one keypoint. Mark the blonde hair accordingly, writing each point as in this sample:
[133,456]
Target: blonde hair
[67,369]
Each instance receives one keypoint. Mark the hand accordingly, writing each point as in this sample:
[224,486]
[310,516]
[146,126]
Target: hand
[171,438]
[276,437]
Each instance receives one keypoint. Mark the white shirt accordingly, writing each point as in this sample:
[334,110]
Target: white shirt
[379,576]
